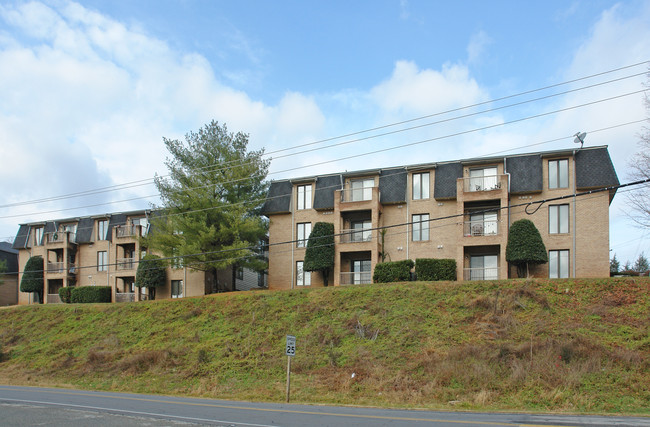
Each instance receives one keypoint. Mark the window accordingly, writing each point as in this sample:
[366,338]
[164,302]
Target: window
[177,260]
[303,278]
[102,261]
[362,189]
[420,186]
[483,267]
[484,179]
[558,219]
[420,227]
[303,232]
[361,270]
[558,264]
[38,236]
[362,231]
[482,224]
[177,289]
[102,228]
[304,196]
[240,273]
[558,173]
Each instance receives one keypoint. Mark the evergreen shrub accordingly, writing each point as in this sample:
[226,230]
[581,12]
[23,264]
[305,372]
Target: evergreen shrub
[65,294]
[393,271]
[430,269]
[90,294]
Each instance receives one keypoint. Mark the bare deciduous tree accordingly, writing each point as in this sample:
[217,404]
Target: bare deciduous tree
[639,199]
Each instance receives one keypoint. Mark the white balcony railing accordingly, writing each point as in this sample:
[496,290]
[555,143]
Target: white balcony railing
[483,183]
[481,228]
[490,273]
[124,297]
[360,194]
[125,263]
[356,278]
[356,236]
[60,236]
[126,230]
[53,299]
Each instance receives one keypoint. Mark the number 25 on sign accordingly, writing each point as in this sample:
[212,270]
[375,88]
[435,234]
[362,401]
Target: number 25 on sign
[291,346]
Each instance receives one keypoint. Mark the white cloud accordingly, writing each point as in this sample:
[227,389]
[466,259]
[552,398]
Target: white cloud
[412,91]
[477,45]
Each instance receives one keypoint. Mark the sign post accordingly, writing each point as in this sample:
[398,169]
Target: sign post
[290,351]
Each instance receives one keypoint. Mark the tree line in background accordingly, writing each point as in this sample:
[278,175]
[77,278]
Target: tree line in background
[640,267]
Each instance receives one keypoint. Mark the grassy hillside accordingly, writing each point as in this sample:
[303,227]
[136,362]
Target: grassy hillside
[568,345]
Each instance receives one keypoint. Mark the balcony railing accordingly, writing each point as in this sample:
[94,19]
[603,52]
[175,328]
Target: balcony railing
[124,296]
[125,263]
[60,236]
[356,278]
[53,299]
[483,183]
[490,273]
[360,194]
[55,267]
[126,230]
[356,236]
[481,228]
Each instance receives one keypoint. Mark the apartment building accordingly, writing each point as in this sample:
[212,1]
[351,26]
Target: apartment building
[459,209]
[104,250]
[8,278]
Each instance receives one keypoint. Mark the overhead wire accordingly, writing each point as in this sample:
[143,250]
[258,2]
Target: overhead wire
[149,181]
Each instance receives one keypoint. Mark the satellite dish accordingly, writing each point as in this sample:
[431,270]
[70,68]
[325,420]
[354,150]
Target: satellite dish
[580,138]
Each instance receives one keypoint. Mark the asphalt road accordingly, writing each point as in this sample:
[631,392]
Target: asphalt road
[30,406]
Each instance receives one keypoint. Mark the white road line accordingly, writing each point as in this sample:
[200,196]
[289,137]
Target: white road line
[123,411]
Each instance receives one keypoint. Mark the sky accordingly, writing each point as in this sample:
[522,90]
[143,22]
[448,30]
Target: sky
[89,89]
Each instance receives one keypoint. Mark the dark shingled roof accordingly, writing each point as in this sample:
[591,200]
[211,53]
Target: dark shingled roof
[526,173]
[20,241]
[445,180]
[85,230]
[50,227]
[117,219]
[279,198]
[325,187]
[392,185]
[594,169]
[10,255]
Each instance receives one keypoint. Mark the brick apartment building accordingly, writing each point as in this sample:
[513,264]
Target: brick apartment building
[104,250]
[460,210]
[9,279]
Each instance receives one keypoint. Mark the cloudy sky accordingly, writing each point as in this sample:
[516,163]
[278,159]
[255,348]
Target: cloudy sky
[89,89]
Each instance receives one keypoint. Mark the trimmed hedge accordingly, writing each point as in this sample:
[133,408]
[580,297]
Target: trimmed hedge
[65,294]
[435,269]
[87,294]
[393,271]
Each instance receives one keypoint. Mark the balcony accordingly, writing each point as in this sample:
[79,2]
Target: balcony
[481,228]
[55,267]
[356,236]
[129,230]
[490,273]
[126,263]
[356,278]
[54,299]
[60,238]
[124,296]
[362,198]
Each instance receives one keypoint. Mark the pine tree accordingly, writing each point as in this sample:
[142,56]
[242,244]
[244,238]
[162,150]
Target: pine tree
[641,265]
[32,280]
[614,265]
[210,203]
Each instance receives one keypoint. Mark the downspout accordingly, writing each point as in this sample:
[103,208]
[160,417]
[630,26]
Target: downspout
[293,237]
[408,217]
[575,208]
[505,171]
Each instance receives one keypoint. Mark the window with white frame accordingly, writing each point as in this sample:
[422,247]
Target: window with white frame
[420,186]
[177,289]
[240,273]
[362,189]
[38,236]
[420,227]
[483,179]
[102,261]
[176,259]
[303,278]
[558,264]
[102,228]
[558,219]
[362,231]
[304,196]
[558,173]
[303,230]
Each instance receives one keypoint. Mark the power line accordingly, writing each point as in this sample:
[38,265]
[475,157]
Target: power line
[149,181]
